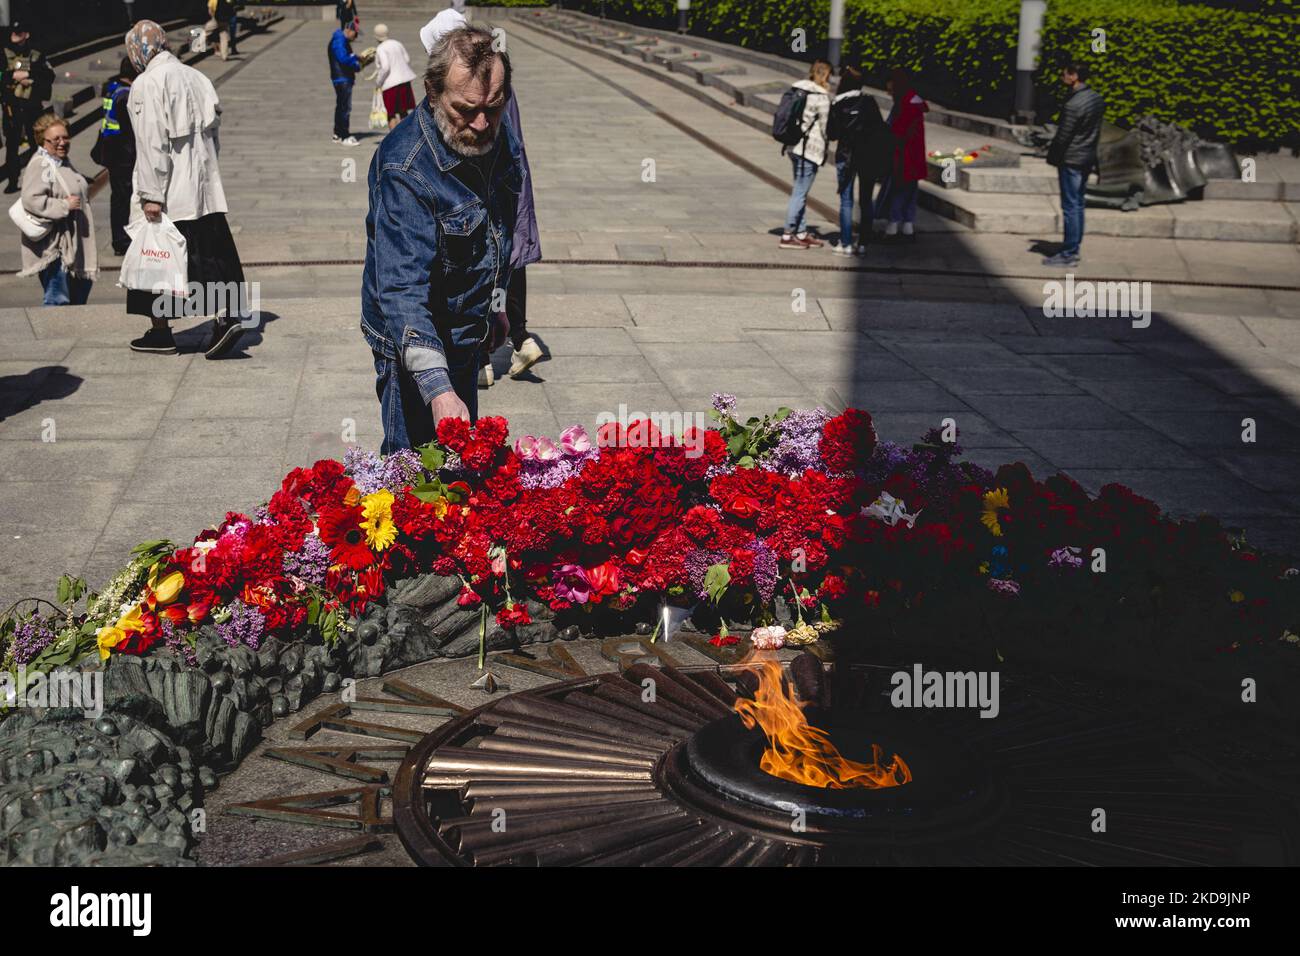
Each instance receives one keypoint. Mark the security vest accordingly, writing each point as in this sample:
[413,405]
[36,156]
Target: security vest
[110,125]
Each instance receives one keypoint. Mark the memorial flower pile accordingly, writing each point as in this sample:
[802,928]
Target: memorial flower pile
[791,524]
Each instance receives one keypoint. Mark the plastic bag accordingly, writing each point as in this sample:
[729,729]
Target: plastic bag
[378,112]
[157,261]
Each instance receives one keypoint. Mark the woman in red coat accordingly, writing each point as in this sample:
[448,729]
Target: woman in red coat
[907,122]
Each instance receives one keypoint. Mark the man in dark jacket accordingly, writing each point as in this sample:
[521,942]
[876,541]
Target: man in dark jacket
[27,83]
[1074,153]
[344,65]
[115,150]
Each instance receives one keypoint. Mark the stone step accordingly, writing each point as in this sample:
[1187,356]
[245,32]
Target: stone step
[1027,214]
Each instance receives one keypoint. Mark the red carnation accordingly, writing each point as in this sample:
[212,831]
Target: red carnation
[848,440]
[513,615]
[453,433]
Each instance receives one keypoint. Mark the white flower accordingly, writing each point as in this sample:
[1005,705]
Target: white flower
[768,638]
[890,510]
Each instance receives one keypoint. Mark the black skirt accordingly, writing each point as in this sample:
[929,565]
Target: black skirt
[212,261]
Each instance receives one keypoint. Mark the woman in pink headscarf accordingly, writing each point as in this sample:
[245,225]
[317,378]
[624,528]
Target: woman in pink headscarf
[175,115]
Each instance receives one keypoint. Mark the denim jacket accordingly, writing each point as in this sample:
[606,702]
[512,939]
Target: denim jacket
[435,250]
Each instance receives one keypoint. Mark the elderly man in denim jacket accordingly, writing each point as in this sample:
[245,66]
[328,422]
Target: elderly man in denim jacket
[444,193]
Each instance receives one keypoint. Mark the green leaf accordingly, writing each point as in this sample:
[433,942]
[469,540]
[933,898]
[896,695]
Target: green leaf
[64,591]
[736,444]
[746,461]
[432,457]
[716,580]
[313,612]
[782,414]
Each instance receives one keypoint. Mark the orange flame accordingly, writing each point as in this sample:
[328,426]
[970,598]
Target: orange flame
[801,753]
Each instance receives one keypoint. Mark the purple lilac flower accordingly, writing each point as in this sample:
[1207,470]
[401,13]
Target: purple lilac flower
[244,626]
[697,564]
[1004,586]
[177,643]
[798,448]
[30,638]
[365,468]
[1064,558]
[725,404]
[552,474]
[766,570]
[310,562]
[402,468]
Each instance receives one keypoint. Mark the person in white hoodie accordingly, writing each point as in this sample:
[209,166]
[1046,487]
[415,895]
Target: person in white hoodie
[393,75]
[175,115]
[808,155]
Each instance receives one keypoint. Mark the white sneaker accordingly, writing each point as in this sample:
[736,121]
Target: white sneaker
[350,141]
[841,250]
[485,377]
[861,250]
[528,355]
[891,229]
[335,138]
[907,229]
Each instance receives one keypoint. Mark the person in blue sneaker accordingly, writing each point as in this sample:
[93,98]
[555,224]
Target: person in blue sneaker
[1074,154]
[344,65]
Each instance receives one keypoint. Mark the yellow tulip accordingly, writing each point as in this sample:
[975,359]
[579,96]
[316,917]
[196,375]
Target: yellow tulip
[108,638]
[132,620]
[169,588]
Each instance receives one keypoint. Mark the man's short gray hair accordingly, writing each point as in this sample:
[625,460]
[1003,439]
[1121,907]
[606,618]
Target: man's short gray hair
[472,46]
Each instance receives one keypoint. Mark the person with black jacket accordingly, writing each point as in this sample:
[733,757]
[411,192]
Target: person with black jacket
[1074,152]
[115,150]
[26,84]
[862,151]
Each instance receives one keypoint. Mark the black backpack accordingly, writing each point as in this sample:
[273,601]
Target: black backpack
[787,124]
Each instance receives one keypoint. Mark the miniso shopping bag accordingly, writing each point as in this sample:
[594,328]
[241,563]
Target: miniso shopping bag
[378,112]
[156,261]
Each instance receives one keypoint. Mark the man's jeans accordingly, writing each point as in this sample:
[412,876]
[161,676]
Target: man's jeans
[408,421]
[60,289]
[342,109]
[846,180]
[805,171]
[1072,180]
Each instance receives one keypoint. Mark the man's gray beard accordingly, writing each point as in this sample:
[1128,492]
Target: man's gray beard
[453,139]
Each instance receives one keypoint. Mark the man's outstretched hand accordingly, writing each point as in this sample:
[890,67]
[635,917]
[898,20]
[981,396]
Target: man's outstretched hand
[448,405]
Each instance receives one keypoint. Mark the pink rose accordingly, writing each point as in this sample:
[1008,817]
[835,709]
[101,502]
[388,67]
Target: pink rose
[571,583]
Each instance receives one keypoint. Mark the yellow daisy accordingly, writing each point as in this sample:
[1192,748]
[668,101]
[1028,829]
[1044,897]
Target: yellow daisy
[377,523]
[994,502]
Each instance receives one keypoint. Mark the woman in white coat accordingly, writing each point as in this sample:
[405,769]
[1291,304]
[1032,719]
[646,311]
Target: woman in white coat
[393,74]
[175,115]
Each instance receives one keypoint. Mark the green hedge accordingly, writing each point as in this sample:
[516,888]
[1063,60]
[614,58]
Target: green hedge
[1228,74]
